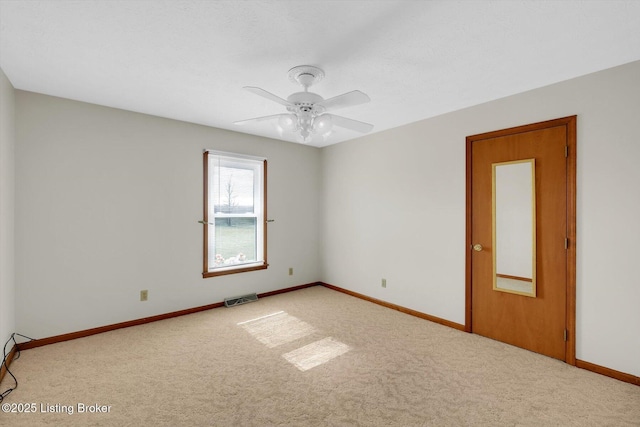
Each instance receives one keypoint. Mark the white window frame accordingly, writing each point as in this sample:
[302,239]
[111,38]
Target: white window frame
[211,158]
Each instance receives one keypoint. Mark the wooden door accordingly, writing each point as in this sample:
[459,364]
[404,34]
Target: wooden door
[545,323]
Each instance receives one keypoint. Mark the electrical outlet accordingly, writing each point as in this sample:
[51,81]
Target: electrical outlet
[384,283]
[290,271]
[144,295]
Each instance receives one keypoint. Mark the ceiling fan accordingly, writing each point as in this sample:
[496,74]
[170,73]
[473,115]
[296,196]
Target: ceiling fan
[307,112]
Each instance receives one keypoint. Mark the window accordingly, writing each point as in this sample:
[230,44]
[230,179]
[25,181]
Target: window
[235,236]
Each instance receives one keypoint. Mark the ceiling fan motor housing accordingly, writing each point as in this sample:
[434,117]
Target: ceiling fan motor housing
[306,102]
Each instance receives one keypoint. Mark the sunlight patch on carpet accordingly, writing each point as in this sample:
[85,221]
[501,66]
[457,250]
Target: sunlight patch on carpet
[277,328]
[317,353]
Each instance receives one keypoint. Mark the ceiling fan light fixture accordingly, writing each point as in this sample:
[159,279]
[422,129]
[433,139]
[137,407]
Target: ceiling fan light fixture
[288,122]
[322,124]
[304,135]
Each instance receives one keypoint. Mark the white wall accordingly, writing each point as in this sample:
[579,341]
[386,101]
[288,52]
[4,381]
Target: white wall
[7,205]
[107,204]
[393,206]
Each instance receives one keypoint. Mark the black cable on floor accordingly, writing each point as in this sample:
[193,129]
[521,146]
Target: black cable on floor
[15,357]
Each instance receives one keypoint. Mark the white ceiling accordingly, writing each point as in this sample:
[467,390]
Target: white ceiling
[189,59]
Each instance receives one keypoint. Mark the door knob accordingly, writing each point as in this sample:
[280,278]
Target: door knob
[477,247]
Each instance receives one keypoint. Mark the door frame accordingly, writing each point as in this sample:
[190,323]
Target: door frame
[570,124]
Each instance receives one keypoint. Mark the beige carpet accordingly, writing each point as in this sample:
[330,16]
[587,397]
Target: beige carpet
[313,357]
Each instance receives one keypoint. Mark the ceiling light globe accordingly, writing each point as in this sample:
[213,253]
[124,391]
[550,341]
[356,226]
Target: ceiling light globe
[288,121]
[322,124]
[306,136]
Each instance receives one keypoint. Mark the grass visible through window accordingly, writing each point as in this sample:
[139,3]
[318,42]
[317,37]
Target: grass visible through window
[236,237]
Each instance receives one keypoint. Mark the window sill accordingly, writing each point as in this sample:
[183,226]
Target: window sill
[224,272]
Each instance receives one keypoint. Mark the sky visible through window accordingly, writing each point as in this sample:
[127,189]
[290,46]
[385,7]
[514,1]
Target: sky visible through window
[233,191]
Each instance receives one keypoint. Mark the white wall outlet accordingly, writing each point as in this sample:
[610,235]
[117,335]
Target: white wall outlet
[384,283]
[144,295]
[290,271]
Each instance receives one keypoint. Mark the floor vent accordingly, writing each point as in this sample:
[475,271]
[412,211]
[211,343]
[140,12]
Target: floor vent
[230,302]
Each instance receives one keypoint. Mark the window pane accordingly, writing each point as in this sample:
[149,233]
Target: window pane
[233,190]
[235,241]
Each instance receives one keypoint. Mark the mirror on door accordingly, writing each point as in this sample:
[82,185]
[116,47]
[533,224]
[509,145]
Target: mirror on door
[514,227]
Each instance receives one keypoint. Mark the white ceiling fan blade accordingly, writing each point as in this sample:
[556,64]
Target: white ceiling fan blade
[263,93]
[345,100]
[258,119]
[346,123]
